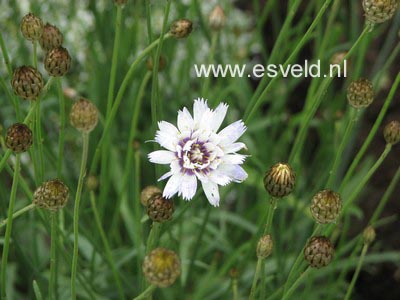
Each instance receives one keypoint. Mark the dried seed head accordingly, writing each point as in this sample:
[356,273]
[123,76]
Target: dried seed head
[391,132]
[217,18]
[52,195]
[265,246]
[31,27]
[84,115]
[57,62]
[326,206]
[181,28]
[27,82]
[92,183]
[360,93]
[319,252]
[51,37]
[161,64]
[369,235]
[147,193]
[120,2]
[279,181]
[160,209]
[19,138]
[379,11]
[161,267]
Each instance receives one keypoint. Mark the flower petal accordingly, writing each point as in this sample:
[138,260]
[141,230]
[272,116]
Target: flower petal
[218,116]
[165,176]
[199,108]
[188,187]
[172,186]
[233,171]
[163,157]
[167,136]
[235,147]
[211,190]
[219,177]
[185,120]
[231,133]
[234,159]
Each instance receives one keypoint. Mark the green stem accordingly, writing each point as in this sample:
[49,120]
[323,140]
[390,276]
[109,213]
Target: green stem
[342,146]
[61,137]
[53,256]
[235,292]
[372,132]
[6,245]
[5,55]
[270,215]
[18,213]
[146,293]
[317,101]
[5,158]
[85,139]
[106,246]
[35,64]
[356,273]
[119,96]
[253,290]
[296,284]
[153,236]
[207,80]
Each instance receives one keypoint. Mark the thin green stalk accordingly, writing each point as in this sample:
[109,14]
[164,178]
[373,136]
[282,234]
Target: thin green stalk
[13,98]
[235,292]
[39,140]
[148,20]
[36,290]
[61,137]
[106,245]
[386,196]
[18,213]
[53,256]
[207,80]
[82,172]
[153,236]
[372,132]
[296,284]
[388,63]
[146,293]
[342,146]
[5,55]
[256,102]
[270,215]
[7,237]
[35,64]
[3,161]
[119,97]
[253,290]
[300,138]
[356,273]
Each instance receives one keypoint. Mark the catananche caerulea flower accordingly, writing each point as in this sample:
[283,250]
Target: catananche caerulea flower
[196,150]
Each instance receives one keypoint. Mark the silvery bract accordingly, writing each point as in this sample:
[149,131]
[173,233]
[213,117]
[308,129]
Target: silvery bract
[196,151]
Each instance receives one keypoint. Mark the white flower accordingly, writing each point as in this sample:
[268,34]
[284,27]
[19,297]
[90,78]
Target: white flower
[196,151]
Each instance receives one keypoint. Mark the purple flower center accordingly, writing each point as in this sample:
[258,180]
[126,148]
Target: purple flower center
[194,157]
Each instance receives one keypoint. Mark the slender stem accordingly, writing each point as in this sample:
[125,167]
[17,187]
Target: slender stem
[146,293]
[270,215]
[5,55]
[3,161]
[53,256]
[6,245]
[296,284]
[36,290]
[372,132]
[61,137]
[35,64]
[253,290]
[235,292]
[153,236]
[119,96]
[18,213]
[342,146]
[106,246]
[207,80]
[39,140]
[85,139]
[357,272]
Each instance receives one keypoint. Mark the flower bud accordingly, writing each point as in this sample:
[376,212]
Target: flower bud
[27,82]
[19,138]
[360,93]
[161,267]
[369,235]
[57,62]
[92,183]
[181,28]
[217,18]
[265,246]
[147,193]
[326,206]
[161,64]
[84,115]
[319,252]
[51,37]
[52,195]
[379,11]
[31,27]
[160,209]
[391,132]
[279,181]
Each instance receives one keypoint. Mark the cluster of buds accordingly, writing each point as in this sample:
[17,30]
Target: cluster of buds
[161,267]
[84,116]
[391,132]
[319,252]
[52,195]
[379,11]
[360,93]
[19,138]
[147,193]
[279,181]
[159,209]
[326,206]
